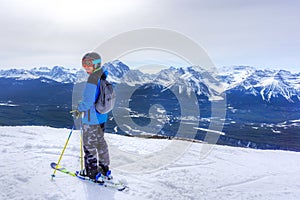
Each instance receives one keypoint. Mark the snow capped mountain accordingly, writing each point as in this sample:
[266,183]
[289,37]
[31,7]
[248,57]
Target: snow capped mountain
[58,74]
[278,83]
[118,72]
[136,77]
[116,69]
[190,79]
[266,84]
[232,76]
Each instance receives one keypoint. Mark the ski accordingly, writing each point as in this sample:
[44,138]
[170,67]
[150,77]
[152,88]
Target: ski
[106,183]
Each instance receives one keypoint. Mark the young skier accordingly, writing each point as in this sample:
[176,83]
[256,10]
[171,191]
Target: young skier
[96,158]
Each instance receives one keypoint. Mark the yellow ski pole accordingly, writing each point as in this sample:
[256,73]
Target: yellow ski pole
[60,157]
[81,153]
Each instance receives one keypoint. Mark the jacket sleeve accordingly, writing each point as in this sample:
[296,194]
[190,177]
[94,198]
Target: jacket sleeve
[89,93]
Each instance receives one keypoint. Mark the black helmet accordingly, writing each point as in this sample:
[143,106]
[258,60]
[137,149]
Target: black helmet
[94,57]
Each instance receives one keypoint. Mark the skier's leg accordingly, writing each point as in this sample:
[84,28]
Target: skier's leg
[90,150]
[103,153]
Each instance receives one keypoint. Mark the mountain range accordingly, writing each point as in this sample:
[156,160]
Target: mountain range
[266,84]
[262,106]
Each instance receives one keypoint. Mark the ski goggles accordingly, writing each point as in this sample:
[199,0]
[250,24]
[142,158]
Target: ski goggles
[91,63]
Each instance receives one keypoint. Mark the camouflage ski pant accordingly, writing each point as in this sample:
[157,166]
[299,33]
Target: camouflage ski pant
[95,146]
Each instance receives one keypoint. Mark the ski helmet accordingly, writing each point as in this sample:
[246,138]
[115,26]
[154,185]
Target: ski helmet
[94,58]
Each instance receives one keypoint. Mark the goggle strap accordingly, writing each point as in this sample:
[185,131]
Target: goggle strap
[97,61]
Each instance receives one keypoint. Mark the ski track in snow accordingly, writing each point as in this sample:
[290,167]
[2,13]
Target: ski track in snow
[226,173]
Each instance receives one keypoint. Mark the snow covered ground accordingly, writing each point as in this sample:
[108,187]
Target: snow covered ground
[225,173]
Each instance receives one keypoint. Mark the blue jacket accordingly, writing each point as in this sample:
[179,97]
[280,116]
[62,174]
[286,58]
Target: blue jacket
[90,95]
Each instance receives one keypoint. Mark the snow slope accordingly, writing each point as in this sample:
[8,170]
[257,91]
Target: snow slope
[225,173]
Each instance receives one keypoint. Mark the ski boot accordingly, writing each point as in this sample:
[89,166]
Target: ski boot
[87,174]
[104,173]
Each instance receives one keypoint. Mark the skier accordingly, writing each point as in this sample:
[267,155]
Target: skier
[96,158]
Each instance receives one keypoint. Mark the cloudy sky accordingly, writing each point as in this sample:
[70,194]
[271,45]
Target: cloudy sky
[259,33]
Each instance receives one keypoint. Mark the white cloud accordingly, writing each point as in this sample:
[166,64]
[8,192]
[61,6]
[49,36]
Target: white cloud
[59,32]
